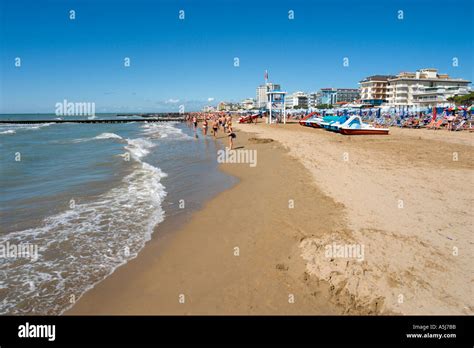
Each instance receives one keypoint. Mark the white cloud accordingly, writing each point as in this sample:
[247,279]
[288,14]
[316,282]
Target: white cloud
[210,99]
[172,101]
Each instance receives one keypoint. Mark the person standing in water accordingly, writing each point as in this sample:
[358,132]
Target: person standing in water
[222,122]
[231,135]
[195,122]
[219,121]
[204,126]
[215,127]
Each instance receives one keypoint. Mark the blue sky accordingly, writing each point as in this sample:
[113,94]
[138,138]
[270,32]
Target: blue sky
[191,60]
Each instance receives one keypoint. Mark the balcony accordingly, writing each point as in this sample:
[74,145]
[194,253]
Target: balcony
[430,91]
[430,99]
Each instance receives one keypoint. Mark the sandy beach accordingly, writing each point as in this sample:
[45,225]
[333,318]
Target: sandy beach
[259,247]
[265,275]
[407,198]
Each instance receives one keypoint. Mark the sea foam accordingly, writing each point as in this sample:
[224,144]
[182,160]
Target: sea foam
[81,246]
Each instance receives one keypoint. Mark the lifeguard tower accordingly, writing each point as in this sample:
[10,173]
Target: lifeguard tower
[276,105]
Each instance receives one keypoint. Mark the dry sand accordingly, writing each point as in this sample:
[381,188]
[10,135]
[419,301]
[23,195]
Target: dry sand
[408,201]
[402,197]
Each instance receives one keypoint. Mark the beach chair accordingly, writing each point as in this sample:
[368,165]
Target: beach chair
[426,121]
[406,123]
[438,124]
[460,126]
[431,124]
[417,123]
[392,122]
[380,123]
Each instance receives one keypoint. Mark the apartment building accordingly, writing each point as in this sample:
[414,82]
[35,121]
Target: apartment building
[297,100]
[374,89]
[338,95]
[247,104]
[314,99]
[425,87]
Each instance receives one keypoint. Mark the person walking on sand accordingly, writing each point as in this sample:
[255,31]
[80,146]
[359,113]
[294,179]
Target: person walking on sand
[450,122]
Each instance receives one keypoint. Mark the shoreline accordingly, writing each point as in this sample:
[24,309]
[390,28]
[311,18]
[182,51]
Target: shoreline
[198,259]
[407,253]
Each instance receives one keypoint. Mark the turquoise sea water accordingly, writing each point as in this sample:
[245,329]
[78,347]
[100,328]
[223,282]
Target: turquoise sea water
[89,196]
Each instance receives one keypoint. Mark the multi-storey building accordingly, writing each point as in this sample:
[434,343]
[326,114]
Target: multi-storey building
[437,96]
[247,104]
[347,94]
[338,95]
[227,106]
[314,99]
[373,89]
[328,96]
[297,100]
[424,87]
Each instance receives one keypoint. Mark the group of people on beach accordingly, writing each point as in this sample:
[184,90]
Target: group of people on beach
[216,121]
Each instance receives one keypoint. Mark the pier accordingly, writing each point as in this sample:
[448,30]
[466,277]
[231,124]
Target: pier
[167,119]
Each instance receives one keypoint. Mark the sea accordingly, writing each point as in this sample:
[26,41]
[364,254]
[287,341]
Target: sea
[79,200]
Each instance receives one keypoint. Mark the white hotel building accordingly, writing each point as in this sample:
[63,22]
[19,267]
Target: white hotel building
[424,88]
[297,100]
[247,104]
